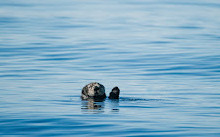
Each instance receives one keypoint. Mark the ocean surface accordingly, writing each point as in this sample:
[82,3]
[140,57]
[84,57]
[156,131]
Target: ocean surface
[164,55]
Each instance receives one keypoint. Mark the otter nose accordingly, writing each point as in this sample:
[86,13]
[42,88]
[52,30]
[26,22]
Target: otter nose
[96,88]
[96,91]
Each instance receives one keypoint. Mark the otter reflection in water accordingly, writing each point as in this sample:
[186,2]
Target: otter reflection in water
[93,104]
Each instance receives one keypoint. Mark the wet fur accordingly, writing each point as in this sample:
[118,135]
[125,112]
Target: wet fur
[93,90]
[96,91]
[114,94]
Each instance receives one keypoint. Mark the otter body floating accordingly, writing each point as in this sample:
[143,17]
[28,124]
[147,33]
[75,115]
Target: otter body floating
[96,90]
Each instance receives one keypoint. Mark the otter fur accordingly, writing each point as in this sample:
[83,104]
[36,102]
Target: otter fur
[96,90]
[93,90]
[114,94]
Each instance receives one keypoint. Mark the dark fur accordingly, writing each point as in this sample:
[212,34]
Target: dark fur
[115,93]
[96,87]
[96,91]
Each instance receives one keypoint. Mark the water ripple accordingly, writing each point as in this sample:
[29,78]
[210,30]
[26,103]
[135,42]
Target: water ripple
[163,55]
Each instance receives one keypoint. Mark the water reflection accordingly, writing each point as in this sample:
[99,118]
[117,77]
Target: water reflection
[99,105]
[114,105]
[93,104]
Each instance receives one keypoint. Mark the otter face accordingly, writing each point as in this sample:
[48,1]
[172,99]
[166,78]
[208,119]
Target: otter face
[96,89]
[93,90]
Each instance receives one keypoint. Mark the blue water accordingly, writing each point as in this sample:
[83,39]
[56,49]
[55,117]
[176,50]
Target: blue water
[164,56]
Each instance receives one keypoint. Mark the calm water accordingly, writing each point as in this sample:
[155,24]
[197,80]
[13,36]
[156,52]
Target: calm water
[164,55]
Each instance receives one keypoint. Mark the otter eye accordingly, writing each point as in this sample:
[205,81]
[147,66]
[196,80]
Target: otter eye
[96,88]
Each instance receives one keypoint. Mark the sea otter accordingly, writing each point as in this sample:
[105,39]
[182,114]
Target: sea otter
[96,90]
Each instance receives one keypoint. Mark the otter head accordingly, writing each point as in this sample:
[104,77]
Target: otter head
[93,90]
